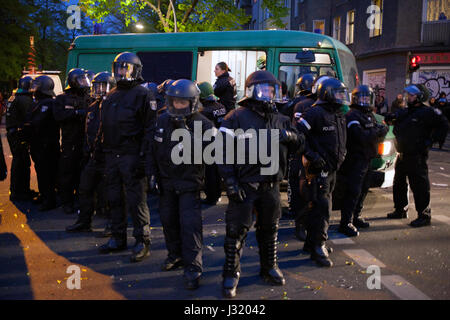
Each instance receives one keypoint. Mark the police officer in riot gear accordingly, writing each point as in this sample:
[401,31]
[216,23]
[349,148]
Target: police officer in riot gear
[44,143]
[363,136]
[413,130]
[92,176]
[325,132]
[17,108]
[70,112]
[215,112]
[180,184]
[302,89]
[297,201]
[128,114]
[249,186]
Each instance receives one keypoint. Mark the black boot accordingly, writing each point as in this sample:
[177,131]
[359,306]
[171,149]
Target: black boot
[114,244]
[141,250]
[267,242]
[398,214]
[320,256]
[231,269]
[359,222]
[80,226]
[421,221]
[172,263]
[308,247]
[107,232]
[349,230]
[192,278]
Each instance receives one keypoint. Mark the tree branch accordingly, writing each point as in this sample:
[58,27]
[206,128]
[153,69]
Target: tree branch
[189,11]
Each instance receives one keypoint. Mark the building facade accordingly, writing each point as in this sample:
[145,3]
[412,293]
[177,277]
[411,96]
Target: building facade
[381,34]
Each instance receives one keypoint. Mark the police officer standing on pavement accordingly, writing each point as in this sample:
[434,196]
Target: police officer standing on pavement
[180,183]
[248,186]
[325,133]
[128,114]
[363,136]
[17,108]
[215,112]
[92,176]
[297,178]
[44,142]
[70,112]
[413,130]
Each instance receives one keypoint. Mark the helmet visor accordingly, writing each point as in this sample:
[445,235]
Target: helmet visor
[124,71]
[83,81]
[265,92]
[178,107]
[100,89]
[364,100]
[341,96]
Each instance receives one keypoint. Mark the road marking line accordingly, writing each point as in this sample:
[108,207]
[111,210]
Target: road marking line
[338,238]
[363,258]
[442,218]
[402,288]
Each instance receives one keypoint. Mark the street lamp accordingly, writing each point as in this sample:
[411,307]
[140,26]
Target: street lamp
[139,26]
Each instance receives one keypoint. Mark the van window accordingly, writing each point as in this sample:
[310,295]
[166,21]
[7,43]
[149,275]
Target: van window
[159,66]
[290,74]
[349,69]
[290,57]
[241,62]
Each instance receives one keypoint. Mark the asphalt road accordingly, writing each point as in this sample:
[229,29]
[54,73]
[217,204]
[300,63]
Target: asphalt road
[36,252]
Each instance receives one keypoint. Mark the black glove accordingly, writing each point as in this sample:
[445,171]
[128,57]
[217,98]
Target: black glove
[234,191]
[152,186]
[382,130]
[287,136]
[318,163]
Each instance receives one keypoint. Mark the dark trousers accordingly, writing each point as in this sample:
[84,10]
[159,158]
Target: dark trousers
[126,185]
[416,170]
[319,207]
[181,218]
[46,156]
[20,165]
[69,172]
[91,189]
[265,201]
[213,183]
[355,174]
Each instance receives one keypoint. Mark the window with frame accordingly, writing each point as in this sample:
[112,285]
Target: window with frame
[437,10]
[337,28]
[319,26]
[350,27]
[377,27]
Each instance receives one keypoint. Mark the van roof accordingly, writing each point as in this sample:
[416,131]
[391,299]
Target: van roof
[222,39]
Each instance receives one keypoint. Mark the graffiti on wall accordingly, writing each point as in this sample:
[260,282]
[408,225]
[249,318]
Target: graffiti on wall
[436,81]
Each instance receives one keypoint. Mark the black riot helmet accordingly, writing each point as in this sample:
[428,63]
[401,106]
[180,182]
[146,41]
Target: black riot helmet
[163,86]
[43,87]
[78,79]
[182,99]
[262,90]
[363,98]
[90,74]
[102,84]
[304,84]
[334,92]
[24,85]
[127,67]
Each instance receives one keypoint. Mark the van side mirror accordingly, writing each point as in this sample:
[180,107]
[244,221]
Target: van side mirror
[305,56]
